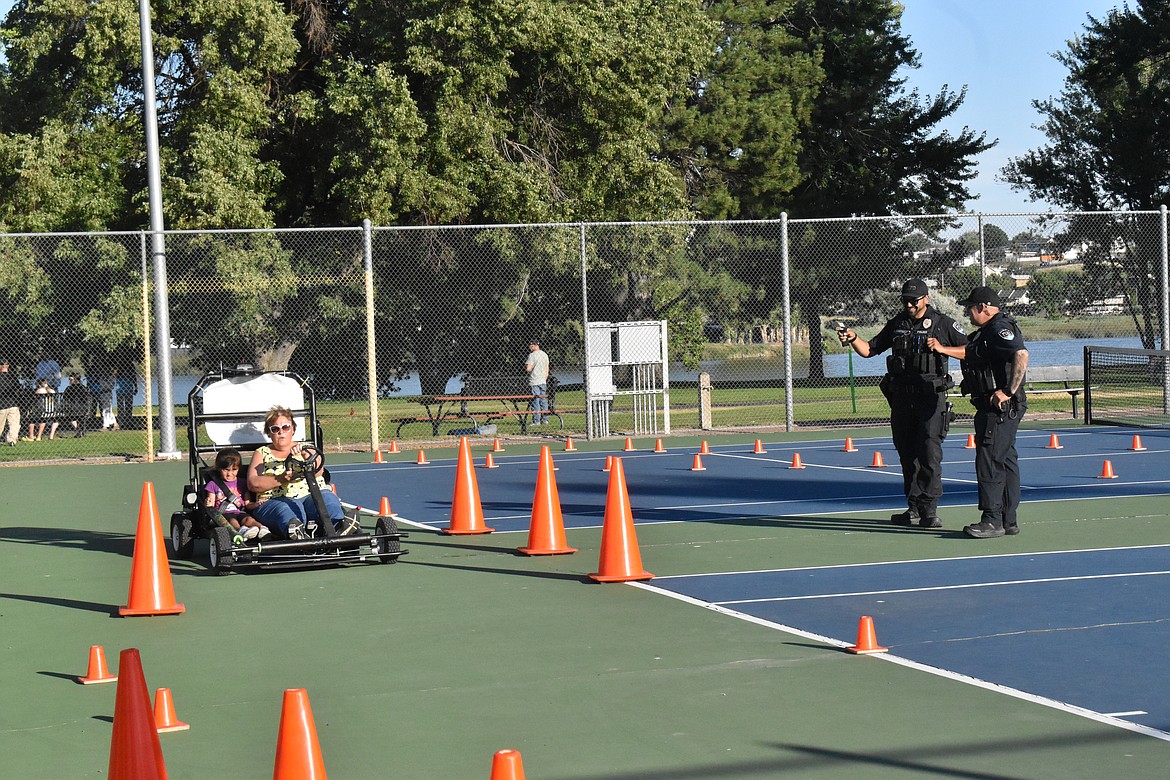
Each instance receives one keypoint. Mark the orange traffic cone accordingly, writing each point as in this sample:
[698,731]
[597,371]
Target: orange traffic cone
[298,754]
[866,638]
[629,445]
[1107,471]
[506,765]
[570,446]
[697,465]
[620,560]
[497,446]
[97,673]
[393,448]
[608,463]
[422,458]
[796,462]
[1137,443]
[1054,443]
[759,448]
[546,533]
[151,591]
[704,449]
[658,446]
[378,456]
[970,445]
[849,445]
[164,713]
[466,510]
[384,508]
[135,752]
[489,462]
[878,463]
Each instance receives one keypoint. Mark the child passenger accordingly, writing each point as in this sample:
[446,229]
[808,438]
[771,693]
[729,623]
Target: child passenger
[226,502]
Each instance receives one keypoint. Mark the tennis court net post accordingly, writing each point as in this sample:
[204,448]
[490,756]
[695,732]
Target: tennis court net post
[1127,387]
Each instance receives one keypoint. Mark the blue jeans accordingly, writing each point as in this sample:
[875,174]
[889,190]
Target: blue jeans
[277,513]
[539,403]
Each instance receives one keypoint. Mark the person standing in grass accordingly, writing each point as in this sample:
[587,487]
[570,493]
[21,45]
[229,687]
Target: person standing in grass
[9,403]
[537,368]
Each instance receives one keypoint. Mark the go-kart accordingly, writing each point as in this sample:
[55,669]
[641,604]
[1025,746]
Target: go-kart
[226,408]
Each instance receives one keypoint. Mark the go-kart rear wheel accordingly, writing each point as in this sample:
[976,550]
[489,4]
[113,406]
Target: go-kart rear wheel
[387,550]
[182,543]
[220,553]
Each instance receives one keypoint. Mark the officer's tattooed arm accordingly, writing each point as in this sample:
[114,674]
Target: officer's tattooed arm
[1019,368]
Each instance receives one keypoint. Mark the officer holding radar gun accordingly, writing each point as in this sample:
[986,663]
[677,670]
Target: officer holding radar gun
[915,385]
[994,363]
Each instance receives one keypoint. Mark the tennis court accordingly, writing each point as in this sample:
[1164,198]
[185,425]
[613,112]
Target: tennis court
[1031,656]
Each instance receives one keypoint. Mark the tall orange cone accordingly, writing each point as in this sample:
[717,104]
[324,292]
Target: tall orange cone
[165,719]
[608,463]
[151,591]
[1137,443]
[620,560]
[878,463]
[849,445]
[393,448]
[704,449]
[506,765]
[658,446]
[97,672]
[422,458]
[697,464]
[546,533]
[378,457]
[970,445]
[1054,443]
[866,638]
[298,754]
[796,462]
[384,508]
[466,510]
[489,462]
[570,446]
[135,751]
[629,445]
[1107,471]
[497,446]
[759,448]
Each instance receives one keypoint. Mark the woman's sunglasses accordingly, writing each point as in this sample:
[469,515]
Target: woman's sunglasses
[279,428]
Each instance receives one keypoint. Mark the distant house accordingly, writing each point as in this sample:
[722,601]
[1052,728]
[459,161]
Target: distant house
[1105,306]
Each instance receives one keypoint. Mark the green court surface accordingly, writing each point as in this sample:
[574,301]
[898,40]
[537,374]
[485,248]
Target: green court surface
[425,668]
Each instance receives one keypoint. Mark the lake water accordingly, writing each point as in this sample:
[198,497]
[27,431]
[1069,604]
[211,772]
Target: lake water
[1061,352]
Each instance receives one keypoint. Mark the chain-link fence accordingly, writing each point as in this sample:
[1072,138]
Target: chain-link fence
[423,333]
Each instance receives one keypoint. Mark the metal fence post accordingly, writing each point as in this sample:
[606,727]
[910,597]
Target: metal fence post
[585,338]
[789,413]
[371,351]
[146,378]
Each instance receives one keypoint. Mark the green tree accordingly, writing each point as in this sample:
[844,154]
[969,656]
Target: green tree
[1048,292]
[1109,148]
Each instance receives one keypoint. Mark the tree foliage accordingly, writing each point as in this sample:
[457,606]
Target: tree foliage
[1109,148]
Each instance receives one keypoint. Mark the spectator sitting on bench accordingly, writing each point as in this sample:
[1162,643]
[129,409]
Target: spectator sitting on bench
[38,418]
[77,403]
[537,368]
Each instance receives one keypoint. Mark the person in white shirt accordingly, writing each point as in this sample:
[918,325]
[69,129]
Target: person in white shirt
[537,368]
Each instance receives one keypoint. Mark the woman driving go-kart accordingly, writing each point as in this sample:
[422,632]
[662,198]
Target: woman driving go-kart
[279,474]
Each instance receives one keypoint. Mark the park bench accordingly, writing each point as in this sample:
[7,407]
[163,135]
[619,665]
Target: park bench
[1072,377]
[483,400]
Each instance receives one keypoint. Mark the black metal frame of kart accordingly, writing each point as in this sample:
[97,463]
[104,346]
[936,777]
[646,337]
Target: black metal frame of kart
[227,551]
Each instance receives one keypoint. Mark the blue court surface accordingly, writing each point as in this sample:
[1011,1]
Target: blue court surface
[1083,630]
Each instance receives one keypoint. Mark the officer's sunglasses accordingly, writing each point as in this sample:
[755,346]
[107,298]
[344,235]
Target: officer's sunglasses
[908,301]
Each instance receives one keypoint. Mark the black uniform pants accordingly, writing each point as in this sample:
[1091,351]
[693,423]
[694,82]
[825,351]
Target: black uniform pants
[919,424]
[997,465]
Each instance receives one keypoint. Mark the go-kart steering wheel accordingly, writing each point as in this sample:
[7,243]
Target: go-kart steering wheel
[307,465]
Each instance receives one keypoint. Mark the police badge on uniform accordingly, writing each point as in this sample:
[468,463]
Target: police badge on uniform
[1006,334]
[926,323]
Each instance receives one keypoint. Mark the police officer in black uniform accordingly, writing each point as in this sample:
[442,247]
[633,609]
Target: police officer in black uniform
[994,363]
[915,384]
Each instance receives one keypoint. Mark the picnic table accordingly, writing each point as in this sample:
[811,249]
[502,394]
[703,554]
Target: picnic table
[501,397]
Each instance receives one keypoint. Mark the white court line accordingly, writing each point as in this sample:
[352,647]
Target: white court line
[912,561]
[944,673]
[927,589]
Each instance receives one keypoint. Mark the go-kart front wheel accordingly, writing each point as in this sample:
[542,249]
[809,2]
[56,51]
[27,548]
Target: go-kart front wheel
[182,542]
[220,553]
[387,550]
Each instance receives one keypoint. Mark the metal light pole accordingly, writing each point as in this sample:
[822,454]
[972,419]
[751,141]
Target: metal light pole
[162,329]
